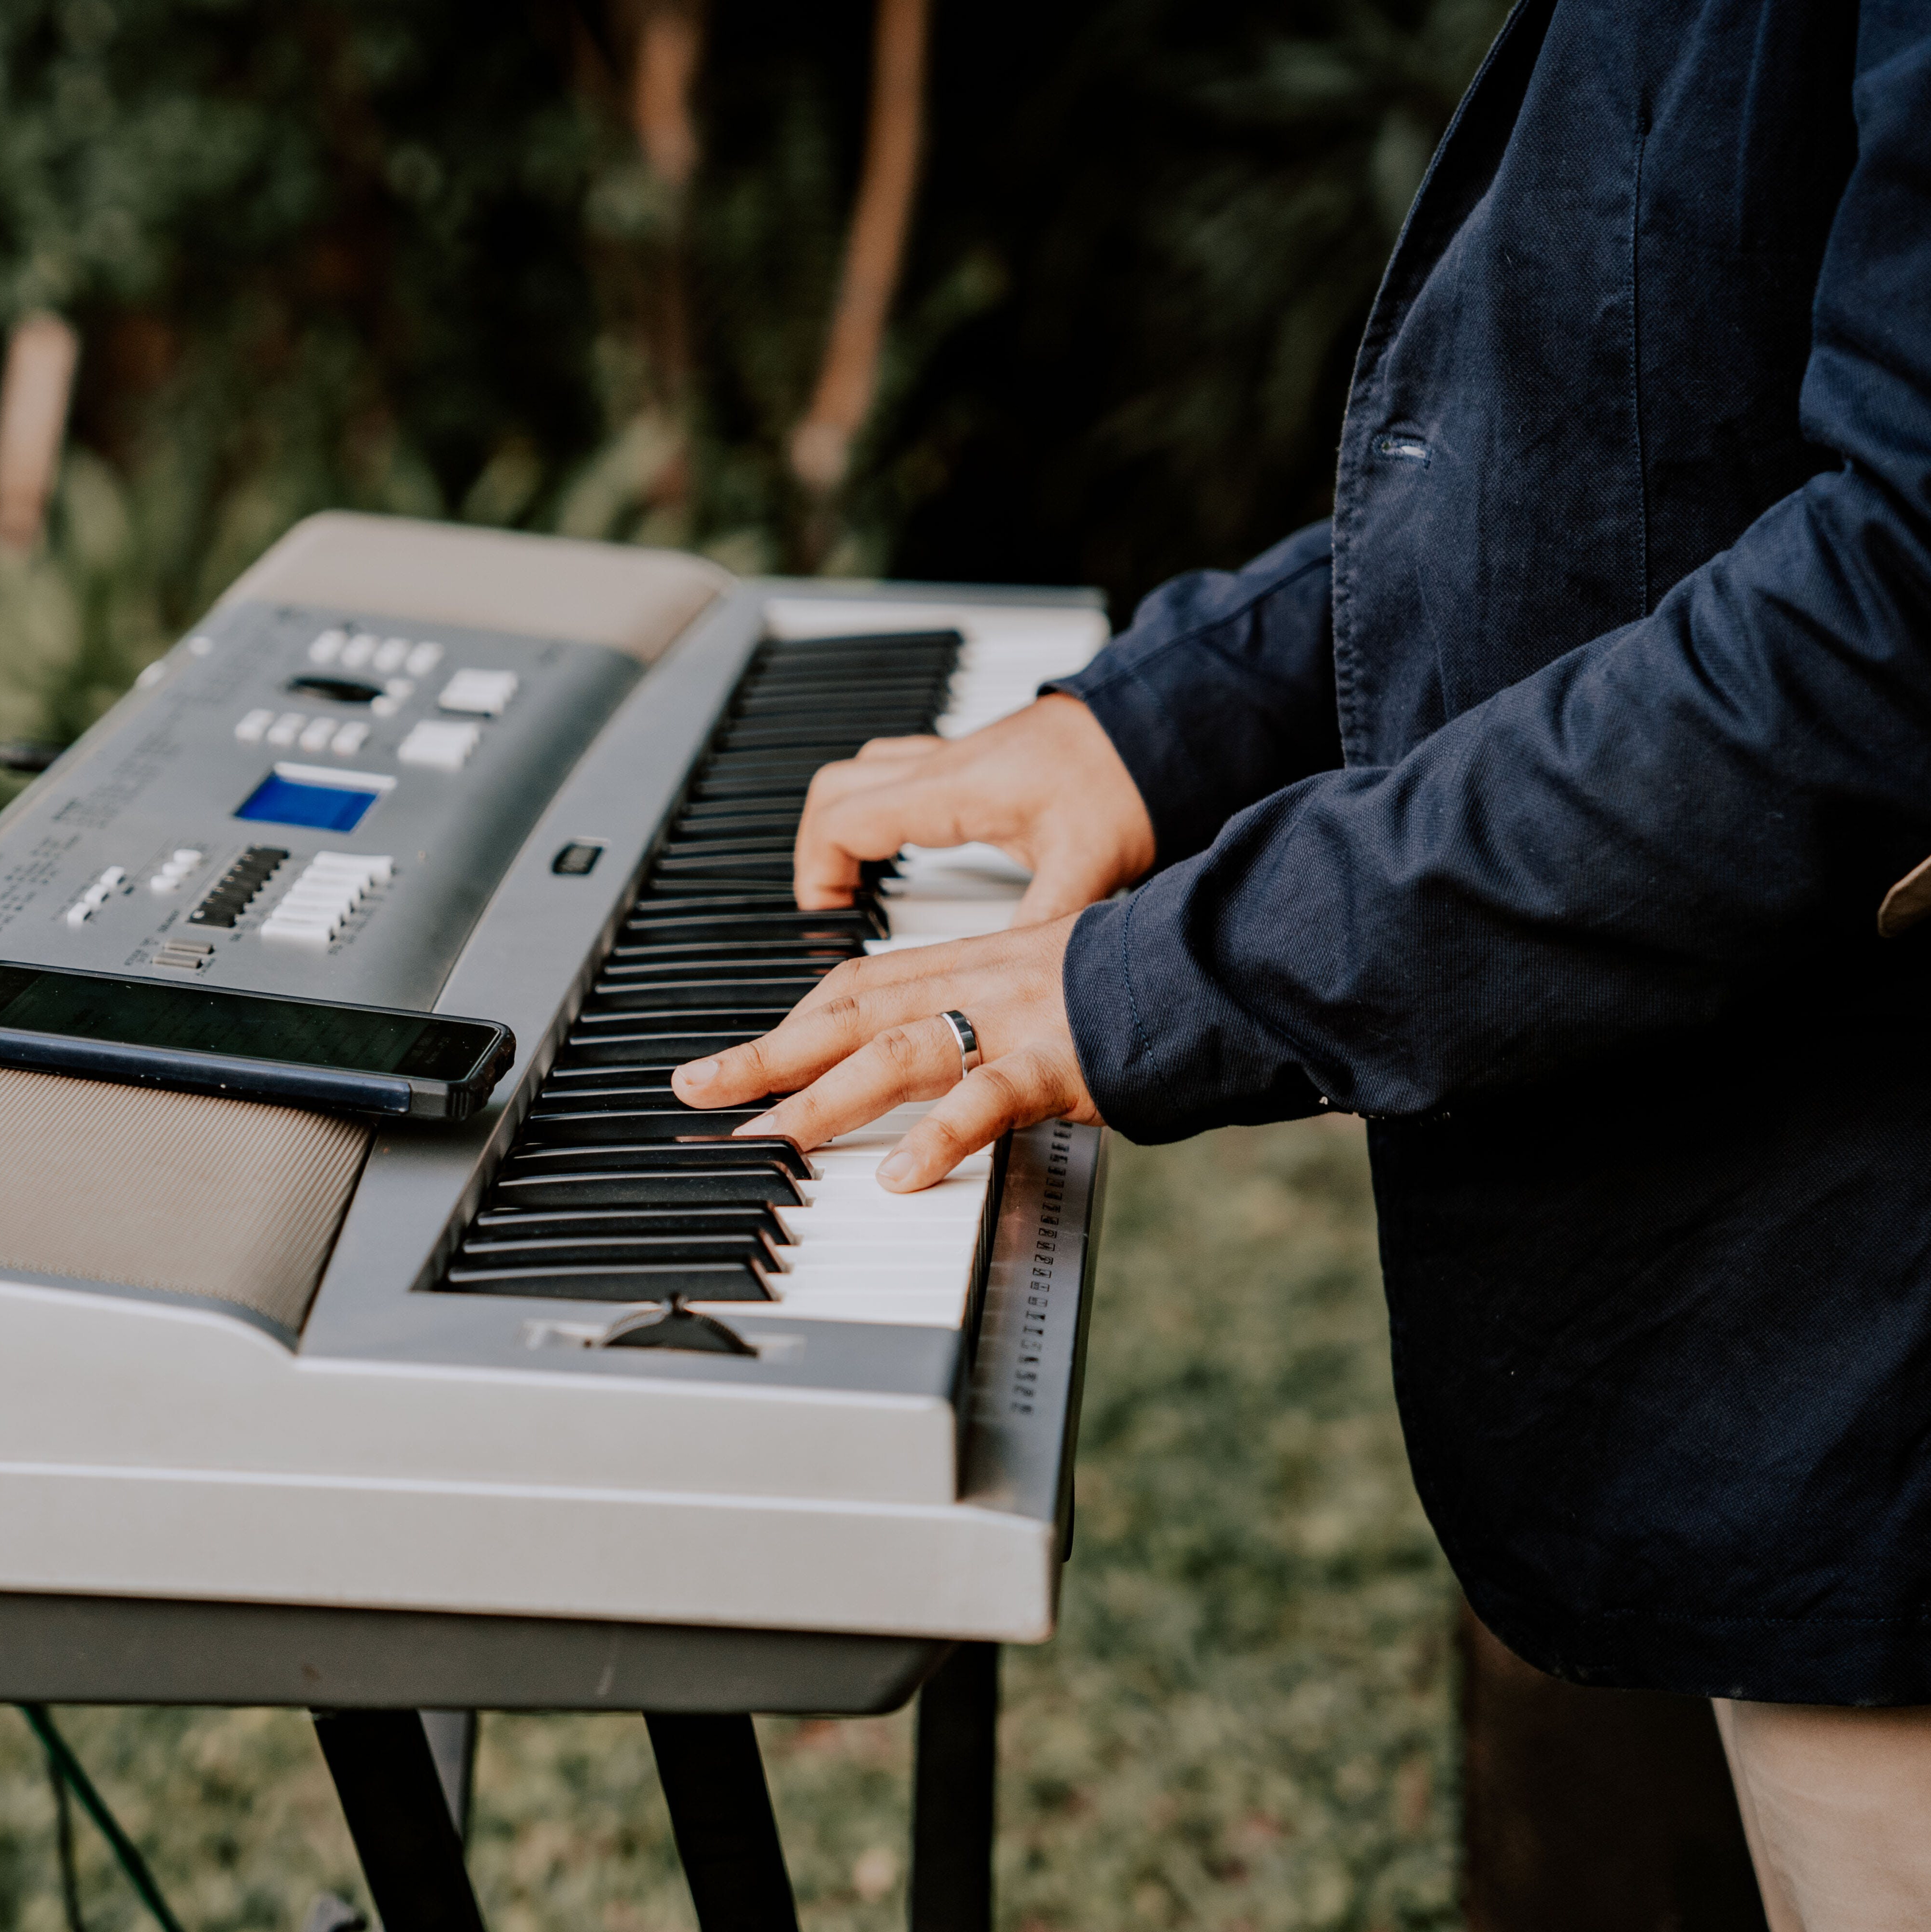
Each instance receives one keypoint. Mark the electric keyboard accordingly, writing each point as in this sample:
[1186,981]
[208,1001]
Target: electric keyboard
[583,1357]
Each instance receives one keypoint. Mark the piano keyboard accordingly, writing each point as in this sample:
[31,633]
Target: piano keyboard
[587,1354]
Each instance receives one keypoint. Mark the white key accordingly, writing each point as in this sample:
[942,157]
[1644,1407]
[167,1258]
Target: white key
[288,933]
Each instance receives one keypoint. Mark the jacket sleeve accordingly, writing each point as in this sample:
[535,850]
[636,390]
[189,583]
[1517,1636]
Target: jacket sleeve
[1619,844]
[1222,689]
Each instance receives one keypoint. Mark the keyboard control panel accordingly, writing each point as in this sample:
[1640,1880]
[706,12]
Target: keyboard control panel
[282,778]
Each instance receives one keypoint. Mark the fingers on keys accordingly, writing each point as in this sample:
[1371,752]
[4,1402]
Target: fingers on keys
[919,1061]
[1015,1091]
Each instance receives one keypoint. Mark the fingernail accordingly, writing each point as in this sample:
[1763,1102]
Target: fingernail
[765,1124]
[899,1166]
[697,1073]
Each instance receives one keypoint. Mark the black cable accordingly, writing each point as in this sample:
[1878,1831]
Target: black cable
[70,1876]
[61,1755]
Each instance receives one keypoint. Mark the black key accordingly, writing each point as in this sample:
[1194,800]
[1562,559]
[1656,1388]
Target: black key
[588,1048]
[651,924]
[805,955]
[774,866]
[771,792]
[671,993]
[672,886]
[827,741]
[751,819]
[729,845]
[632,1187]
[641,1003]
[695,1281]
[690,1154]
[516,1223]
[616,1250]
[650,1093]
[940,638]
[571,1124]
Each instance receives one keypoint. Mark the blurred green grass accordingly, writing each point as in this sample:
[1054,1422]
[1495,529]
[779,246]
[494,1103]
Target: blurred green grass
[1244,1725]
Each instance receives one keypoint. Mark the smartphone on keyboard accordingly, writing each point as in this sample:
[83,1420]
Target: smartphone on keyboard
[252,1046]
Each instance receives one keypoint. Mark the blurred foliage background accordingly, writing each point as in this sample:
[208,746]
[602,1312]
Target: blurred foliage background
[413,255]
[424,256]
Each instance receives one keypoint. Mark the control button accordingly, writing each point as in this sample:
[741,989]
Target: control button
[78,913]
[285,729]
[249,729]
[357,651]
[398,691]
[390,653]
[485,694]
[423,659]
[317,734]
[348,739]
[186,955]
[440,743]
[328,647]
[577,857]
[232,892]
[327,890]
[114,875]
[184,860]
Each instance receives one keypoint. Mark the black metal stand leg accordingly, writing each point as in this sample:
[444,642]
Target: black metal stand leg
[953,1786]
[385,1777]
[713,1782]
[452,1744]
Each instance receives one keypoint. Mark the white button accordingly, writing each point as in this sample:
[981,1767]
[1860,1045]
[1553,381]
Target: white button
[297,935]
[348,739]
[163,882]
[441,744]
[328,647]
[186,856]
[358,650]
[400,688]
[284,729]
[96,894]
[316,736]
[423,659]
[390,653]
[486,693]
[114,875]
[77,915]
[249,730]
[386,706]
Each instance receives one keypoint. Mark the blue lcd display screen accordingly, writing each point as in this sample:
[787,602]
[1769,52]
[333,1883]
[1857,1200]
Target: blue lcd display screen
[327,808]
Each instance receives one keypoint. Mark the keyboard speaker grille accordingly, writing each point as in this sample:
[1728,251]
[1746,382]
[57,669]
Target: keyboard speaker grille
[191,1193]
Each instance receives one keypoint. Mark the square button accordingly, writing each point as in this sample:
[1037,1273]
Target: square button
[485,694]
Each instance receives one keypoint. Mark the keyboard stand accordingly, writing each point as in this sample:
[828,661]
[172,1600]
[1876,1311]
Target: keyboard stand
[392,1692]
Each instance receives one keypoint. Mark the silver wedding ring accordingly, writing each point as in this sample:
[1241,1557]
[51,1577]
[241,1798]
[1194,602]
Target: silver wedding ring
[969,1055]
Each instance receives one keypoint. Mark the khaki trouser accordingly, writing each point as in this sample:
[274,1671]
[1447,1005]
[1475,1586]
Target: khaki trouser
[1837,1806]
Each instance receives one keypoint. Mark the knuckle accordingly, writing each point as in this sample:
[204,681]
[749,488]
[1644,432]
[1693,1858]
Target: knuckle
[900,1046]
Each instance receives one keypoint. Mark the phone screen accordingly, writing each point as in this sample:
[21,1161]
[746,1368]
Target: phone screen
[191,1019]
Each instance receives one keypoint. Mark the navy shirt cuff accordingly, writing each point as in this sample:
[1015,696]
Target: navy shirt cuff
[1164,1052]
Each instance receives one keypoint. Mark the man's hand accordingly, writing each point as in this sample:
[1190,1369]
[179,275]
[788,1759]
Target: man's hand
[869,1037]
[1044,785]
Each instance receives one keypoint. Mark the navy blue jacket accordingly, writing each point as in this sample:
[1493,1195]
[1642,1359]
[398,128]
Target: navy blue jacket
[1540,808]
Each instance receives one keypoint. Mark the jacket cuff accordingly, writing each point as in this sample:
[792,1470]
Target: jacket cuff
[1165,1053]
[1221,691]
